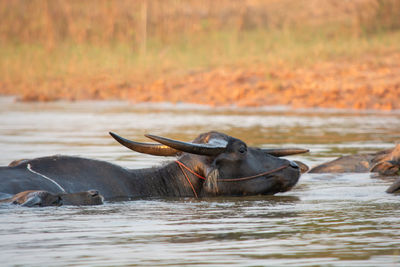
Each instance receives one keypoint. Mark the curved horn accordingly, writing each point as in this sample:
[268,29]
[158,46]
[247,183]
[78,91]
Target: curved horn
[280,152]
[146,148]
[199,149]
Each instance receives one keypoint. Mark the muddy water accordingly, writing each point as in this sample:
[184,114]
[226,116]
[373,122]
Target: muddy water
[335,220]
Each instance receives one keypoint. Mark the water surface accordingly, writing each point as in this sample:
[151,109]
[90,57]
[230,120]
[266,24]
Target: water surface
[334,220]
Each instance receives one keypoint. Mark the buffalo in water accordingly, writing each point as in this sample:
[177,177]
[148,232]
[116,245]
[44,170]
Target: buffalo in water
[386,162]
[40,198]
[214,164]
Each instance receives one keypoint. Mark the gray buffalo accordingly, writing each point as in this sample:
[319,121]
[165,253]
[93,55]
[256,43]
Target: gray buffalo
[41,198]
[386,162]
[214,164]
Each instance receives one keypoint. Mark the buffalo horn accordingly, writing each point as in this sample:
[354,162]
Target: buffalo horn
[146,148]
[280,152]
[199,149]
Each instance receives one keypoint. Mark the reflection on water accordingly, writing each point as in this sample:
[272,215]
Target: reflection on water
[338,220]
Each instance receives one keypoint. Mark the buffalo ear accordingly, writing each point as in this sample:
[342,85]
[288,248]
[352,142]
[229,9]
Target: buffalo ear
[303,167]
[386,168]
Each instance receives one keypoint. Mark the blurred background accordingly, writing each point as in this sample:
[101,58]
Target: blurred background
[305,53]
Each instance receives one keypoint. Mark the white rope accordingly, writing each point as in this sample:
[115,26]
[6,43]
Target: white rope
[29,167]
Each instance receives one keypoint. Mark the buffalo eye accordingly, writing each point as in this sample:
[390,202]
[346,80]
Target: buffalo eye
[242,149]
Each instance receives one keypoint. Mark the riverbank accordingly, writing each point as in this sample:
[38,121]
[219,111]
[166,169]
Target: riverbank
[301,54]
[365,84]
[371,82]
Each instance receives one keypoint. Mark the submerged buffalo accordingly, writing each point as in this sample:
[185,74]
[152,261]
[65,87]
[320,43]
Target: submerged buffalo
[214,164]
[40,198]
[386,162]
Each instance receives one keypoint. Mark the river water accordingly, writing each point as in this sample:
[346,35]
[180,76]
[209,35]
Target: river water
[327,219]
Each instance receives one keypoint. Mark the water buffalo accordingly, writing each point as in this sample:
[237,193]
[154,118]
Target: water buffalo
[214,164]
[386,162]
[40,198]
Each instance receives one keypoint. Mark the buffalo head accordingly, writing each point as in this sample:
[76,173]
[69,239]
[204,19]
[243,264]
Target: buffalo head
[39,198]
[388,164]
[85,198]
[42,198]
[216,164]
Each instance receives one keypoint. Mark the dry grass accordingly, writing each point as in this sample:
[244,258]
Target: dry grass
[100,49]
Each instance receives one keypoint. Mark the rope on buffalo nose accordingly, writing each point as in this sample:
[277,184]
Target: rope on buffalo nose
[182,166]
[254,176]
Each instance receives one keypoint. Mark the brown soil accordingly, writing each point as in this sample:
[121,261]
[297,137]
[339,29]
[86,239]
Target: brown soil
[366,84]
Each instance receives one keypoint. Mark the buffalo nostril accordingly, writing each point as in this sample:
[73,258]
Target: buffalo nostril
[293,164]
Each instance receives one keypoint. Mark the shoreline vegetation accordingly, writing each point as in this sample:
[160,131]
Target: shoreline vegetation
[302,53]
